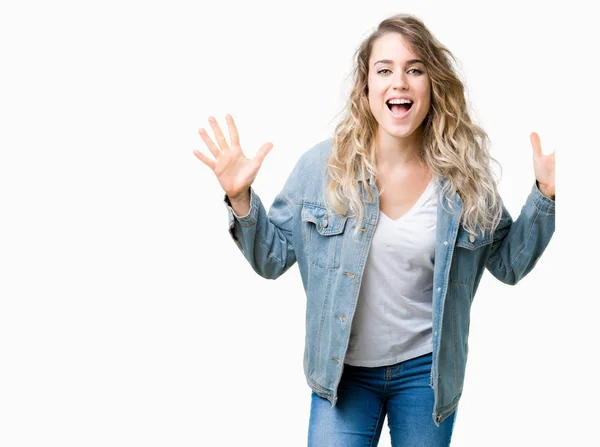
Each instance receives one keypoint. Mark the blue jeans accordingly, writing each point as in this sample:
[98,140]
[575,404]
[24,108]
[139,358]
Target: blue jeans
[367,395]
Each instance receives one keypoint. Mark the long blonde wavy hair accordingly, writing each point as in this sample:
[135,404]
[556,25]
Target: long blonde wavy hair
[451,144]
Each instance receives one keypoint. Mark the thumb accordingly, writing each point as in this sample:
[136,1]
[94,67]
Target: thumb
[263,151]
[536,143]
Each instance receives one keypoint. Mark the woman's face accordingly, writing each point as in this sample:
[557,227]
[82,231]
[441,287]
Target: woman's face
[395,73]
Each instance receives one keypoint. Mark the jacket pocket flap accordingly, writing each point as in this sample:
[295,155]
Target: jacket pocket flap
[326,223]
[466,240]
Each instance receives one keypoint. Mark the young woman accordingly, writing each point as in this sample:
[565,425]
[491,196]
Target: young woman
[392,222]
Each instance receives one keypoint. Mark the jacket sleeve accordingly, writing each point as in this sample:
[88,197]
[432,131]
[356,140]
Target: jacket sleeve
[264,238]
[518,245]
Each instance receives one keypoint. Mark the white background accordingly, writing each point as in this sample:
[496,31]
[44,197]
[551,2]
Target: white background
[127,315]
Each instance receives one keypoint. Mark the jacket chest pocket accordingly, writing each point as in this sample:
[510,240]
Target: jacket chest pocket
[469,256]
[323,235]
[471,242]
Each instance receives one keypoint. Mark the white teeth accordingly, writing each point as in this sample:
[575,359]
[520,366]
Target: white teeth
[400,101]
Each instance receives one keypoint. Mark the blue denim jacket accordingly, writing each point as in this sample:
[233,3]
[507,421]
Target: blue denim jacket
[331,262]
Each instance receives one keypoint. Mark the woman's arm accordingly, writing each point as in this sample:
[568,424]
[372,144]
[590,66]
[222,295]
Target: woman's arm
[266,239]
[518,245]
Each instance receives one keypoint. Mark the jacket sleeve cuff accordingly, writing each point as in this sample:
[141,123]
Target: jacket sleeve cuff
[249,219]
[543,203]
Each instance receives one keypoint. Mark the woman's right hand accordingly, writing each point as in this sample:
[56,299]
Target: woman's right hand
[235,172]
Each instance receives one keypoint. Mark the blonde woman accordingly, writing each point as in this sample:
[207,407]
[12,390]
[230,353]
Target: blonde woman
[392,222]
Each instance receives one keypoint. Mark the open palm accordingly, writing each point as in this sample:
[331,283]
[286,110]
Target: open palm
[235,172]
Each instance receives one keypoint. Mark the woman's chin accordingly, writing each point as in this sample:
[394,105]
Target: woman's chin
[400,132]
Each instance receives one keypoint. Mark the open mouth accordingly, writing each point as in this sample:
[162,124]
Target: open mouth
[399,107]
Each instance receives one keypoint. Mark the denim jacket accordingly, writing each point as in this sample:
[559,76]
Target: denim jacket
[331,261]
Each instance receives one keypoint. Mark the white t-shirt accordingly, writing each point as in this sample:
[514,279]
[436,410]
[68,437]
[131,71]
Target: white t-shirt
[393,318]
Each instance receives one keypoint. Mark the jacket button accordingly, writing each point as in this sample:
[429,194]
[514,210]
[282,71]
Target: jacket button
[471,239]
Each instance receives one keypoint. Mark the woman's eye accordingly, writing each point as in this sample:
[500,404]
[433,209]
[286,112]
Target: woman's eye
[412,70]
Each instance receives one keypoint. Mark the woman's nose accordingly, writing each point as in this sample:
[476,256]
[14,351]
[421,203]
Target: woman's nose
[400,82]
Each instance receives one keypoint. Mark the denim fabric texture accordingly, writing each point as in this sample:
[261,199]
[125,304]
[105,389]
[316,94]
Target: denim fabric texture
[331,260]
[367,395]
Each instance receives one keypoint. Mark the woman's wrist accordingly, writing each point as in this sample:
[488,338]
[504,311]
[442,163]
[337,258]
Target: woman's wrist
[241,197]
[547,190]
[241,203]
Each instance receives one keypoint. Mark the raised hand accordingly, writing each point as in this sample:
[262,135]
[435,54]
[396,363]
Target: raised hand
[543,167]
[235,172]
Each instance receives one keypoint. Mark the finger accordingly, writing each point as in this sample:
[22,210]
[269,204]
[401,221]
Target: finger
[263,151]
[204,159]
[212,147]
[218,134]
[233,132]
[536,143]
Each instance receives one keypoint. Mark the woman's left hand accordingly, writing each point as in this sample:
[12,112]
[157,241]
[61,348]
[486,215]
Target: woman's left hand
[543,167]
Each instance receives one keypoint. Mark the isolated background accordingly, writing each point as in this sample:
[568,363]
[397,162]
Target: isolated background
[127,315]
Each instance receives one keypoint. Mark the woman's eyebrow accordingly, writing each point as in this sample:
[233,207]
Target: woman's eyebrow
[408,62]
